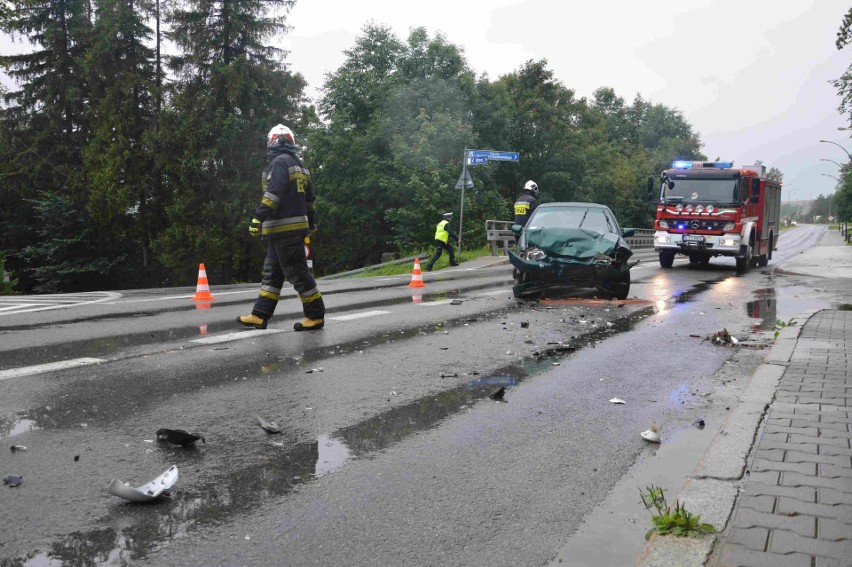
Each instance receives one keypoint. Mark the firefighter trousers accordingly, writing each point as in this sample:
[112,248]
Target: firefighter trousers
[285,260]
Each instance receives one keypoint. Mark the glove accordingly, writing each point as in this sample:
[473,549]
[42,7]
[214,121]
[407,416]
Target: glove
[254,227]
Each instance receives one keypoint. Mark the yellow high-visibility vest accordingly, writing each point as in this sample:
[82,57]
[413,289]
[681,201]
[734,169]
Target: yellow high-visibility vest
[441,232]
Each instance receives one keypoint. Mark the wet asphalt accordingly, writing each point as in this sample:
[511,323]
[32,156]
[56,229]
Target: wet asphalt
[392,451]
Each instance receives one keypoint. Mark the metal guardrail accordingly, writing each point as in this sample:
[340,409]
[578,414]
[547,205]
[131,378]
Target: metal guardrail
[499,234]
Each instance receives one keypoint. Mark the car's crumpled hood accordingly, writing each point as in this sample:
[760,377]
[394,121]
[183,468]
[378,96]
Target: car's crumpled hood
[576,245]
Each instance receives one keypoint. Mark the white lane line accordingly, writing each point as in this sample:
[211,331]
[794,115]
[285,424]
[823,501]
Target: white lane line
[237,336]
[18,306]
[435,303]
[498,292]
[107,296]
[360,315]
[170,297]
[50,367]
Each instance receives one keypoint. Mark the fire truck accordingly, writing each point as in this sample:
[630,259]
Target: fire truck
[708,209]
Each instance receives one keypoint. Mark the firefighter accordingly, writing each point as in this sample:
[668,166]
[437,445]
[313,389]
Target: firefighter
[285,216]
[443,233]
[526,203]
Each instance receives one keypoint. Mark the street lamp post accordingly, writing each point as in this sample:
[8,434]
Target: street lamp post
[832,161]
[839,146]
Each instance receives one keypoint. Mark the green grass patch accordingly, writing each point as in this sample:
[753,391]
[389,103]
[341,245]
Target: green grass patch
[443,262]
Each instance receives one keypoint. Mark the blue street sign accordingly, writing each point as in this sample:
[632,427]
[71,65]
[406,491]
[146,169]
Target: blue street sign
[493,155]
[476,160]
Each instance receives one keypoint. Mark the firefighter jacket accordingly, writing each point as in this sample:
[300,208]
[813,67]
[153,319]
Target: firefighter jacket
[288,205]
[524,207]
[444,231]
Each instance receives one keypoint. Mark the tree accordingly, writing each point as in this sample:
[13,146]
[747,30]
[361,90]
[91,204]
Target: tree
[230,88]
[844,83]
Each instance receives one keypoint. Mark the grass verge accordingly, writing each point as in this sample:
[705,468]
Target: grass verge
[443,262]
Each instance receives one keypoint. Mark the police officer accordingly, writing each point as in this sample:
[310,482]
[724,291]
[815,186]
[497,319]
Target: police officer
[286,215]
[443,233]
[526,203]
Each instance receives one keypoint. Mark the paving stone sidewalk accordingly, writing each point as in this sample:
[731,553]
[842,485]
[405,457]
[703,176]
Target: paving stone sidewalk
[795,507]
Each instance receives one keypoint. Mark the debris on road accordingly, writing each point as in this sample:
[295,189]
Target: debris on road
[617,401]
[16,448]
[449,374]
[147,492]
[722,337]
[13,480]
[699,423]
[525,324]
[178,437]
[76,458]
[498,394]
[456,302]
[320,369]
[651,434]
[269,426]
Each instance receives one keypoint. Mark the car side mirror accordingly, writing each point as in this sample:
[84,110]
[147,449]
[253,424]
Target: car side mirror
[628,232]
[516,228]
[650,188]
[755,190]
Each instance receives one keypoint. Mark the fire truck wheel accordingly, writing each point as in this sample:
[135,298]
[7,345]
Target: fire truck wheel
[744,263]
[763,260]
[666,258]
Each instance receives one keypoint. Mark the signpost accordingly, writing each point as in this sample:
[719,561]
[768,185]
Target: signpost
[478,157]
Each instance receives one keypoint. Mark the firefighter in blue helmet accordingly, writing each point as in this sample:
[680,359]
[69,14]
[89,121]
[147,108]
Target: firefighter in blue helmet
[286,215]
[526,203]
[443,233]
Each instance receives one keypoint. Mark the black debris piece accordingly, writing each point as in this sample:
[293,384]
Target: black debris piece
[525,324]
[456,302]
[449,374]
[269,426]
[178,437]
[76,458]
[699,423]
[16,448]
[13,480]
[722,338]
[498,395]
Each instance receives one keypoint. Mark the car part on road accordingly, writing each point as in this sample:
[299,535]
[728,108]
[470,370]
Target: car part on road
[618,401]
[178,437]
[13,480]
[269,426]
[149,491]
[498,395]
[651,435]
[16,448]
[699,423]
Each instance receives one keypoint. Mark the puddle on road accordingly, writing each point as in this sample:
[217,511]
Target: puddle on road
[782,303]
[17,425]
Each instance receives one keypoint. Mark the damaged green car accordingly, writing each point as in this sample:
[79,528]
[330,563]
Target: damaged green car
[565,247]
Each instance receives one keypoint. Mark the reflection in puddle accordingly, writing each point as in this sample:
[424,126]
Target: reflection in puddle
[333,454]
[763,308]
[17,425]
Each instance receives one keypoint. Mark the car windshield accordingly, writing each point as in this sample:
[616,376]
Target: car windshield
[704,190]
[570,217]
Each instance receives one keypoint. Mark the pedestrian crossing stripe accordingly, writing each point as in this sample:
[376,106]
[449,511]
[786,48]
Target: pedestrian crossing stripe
[49,367]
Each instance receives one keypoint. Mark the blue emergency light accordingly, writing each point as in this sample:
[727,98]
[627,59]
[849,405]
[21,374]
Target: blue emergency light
[684,164]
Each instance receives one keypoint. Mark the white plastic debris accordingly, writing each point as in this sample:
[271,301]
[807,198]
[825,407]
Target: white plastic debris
[148,491]
[617,401]
[734,340]
[651,435]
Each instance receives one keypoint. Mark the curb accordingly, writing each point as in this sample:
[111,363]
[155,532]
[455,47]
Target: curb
[714,486]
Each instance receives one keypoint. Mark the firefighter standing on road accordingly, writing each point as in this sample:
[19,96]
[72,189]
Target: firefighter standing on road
[443,233]
[285,216]
[526,203]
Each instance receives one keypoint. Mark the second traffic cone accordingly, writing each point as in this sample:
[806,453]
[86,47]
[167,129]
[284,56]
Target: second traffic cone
[202,289]
[417,275]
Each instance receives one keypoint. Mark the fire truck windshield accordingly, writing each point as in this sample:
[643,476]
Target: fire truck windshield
[702,190]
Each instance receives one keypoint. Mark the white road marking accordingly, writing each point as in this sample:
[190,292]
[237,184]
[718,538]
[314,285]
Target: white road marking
[438,302]
[170,297]
[239,335]
[360,315]
[26,303]
[50,367]
[498,292]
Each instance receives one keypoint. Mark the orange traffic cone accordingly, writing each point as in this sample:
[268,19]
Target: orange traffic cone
[417,275]
[202,290]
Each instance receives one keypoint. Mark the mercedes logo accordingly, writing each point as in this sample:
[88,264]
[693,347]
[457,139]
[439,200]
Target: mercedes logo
[695,224]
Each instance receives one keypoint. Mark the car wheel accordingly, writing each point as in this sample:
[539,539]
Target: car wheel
[667,258]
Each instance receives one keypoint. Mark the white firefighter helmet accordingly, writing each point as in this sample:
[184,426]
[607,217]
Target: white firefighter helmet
[531,186]
[280,134]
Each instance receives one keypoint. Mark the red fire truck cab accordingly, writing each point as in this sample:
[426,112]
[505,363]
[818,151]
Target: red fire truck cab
[711,209]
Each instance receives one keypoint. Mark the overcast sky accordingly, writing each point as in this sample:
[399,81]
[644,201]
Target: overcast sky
[751,76]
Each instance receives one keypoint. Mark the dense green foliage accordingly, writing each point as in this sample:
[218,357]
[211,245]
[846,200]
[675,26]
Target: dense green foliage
[841,204]
[122,167]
